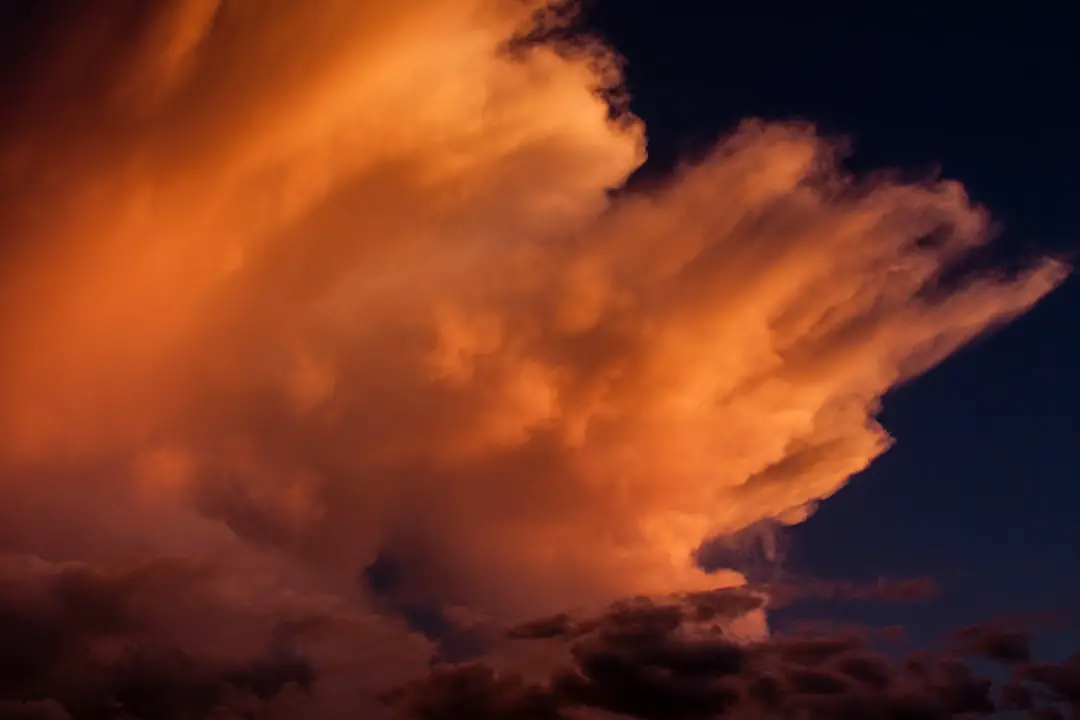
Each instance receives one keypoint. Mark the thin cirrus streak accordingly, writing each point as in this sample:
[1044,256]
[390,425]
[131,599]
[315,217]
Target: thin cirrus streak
[311,281]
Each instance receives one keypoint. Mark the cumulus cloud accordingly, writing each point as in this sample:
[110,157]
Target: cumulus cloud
[302,285]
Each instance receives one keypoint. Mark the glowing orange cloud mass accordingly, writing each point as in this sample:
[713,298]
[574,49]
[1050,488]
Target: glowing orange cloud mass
[295,282]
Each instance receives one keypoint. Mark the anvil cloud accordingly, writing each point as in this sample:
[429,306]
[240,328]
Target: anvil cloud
[289,285]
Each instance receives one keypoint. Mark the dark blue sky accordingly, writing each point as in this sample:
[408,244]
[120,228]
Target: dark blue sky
[982,490]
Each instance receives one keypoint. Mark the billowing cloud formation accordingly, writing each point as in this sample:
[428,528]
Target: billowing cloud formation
[307,282]
[666,660]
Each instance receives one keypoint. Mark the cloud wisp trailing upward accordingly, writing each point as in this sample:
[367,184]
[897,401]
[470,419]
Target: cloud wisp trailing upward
[295,284]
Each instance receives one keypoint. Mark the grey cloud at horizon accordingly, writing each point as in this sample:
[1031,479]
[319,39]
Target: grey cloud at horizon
[661,659]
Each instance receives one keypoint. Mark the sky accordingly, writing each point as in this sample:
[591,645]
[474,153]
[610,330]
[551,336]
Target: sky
[482,359]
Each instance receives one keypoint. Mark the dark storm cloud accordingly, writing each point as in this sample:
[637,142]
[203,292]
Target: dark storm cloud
[1062,679]
[654,660]
[994,642]
[76,640]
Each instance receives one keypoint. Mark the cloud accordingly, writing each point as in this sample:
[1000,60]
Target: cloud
[87,642]
[389,303]
[1062,679]
[180,638]
[995,642]
[653,659]
[34,710]
[289,287]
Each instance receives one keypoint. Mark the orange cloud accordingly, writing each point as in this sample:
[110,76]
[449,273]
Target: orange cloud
[333,277]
